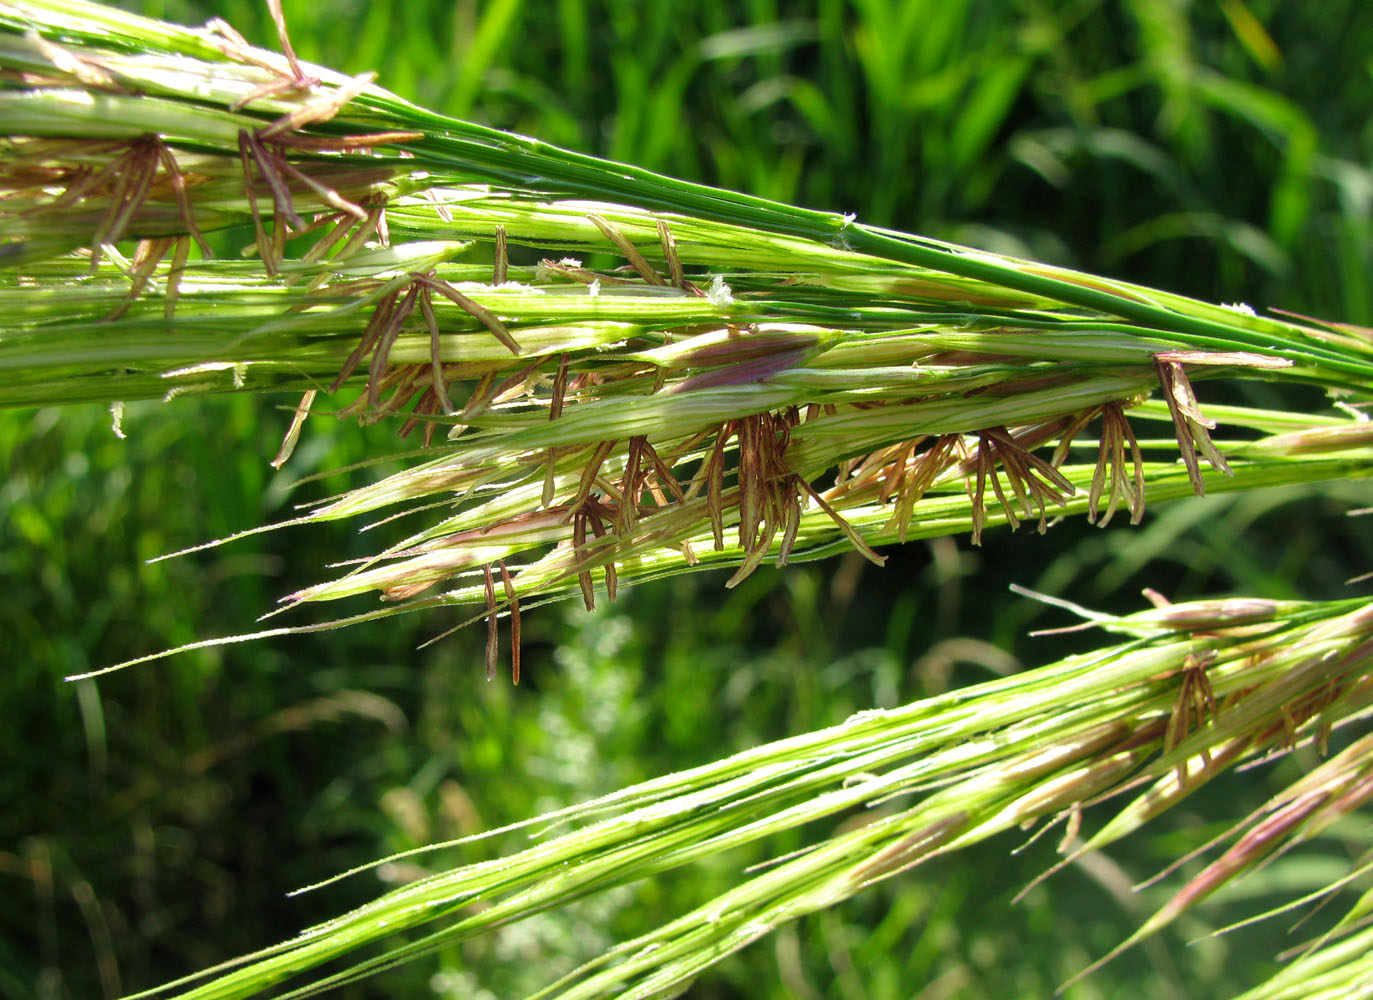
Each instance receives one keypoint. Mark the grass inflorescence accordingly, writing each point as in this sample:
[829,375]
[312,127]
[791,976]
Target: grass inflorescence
[767,373]
[615,376]
[930,777]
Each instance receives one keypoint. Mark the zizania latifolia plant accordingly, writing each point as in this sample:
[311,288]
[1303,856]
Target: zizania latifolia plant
[609,376]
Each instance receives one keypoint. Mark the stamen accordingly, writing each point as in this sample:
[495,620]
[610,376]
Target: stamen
[436,360]
[181,252]
[268,160]
[578,547]
[630,487]
[477,310]
[501,266]
[388,336]
[555,408]
[1115,433]
[593,512]
[380,317]
[327,194]
[628,250]
[1190,424]
[493,646]
[183,198]
[264,247]
[1034,481]
[674,263]
[514,603]
[288,443]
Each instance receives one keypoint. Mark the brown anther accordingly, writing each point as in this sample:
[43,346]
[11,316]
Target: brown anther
[580,274]
[493,646]
[146,257]
[381,354]
[674,263]
[663,476]
[269,162]
[183,198]
[1034,481]
[500,267]
[404,381]
[264,247]
[1190,424]
[769,492]
[1116,433]
[279,19]
[288,443]
[326,194]
[440,382]
[924,469]
[598,529]
[848,530]
[514,602]
[628,250]
[599,453]
[630,485]
[478,311]
[295,80]
[132,174]
[380,317]
[559,394]
[181,252]
[714,475]
[427,406]
[579,518]
[1194,705]
[478,401]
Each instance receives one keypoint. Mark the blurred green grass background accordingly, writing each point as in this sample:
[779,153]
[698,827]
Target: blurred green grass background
[153,821]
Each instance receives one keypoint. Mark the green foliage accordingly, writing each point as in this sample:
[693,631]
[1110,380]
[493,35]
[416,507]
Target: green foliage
[162,813]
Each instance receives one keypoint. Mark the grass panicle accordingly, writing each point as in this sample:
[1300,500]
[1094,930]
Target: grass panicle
[927,779]
[617,377]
